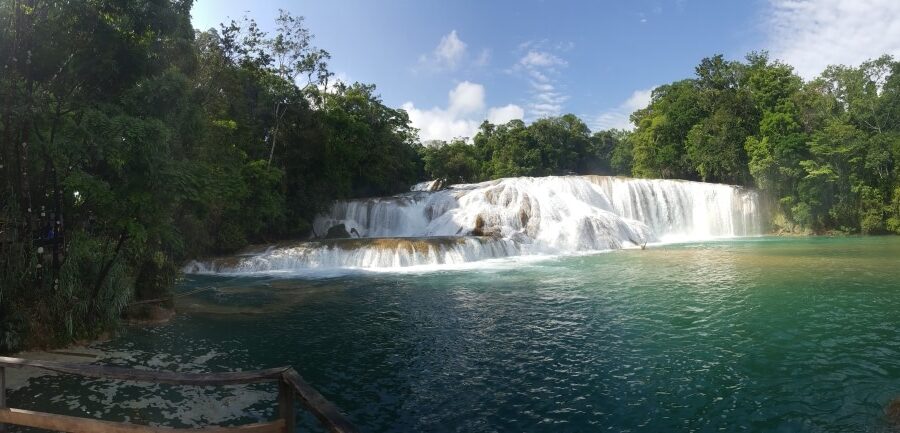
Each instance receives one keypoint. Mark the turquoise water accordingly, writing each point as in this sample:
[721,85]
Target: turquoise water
[760,335]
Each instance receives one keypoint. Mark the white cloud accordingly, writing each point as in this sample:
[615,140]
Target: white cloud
[448,54]
[541,67]
[451,54]
[466,98]
[812,34]
[540,59]
[461,118]
[438,124]
[501,115]
[618,117]
[638,99]
[451,49]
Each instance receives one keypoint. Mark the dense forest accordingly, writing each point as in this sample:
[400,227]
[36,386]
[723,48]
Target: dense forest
[130,142]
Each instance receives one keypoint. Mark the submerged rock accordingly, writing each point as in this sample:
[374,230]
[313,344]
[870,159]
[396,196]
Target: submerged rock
[892,412]
[149,314]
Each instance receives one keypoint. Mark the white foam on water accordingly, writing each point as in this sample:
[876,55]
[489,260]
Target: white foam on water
[429,229]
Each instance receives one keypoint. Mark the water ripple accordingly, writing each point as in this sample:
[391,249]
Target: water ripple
[758,335]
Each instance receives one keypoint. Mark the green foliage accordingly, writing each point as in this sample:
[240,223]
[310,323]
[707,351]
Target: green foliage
[78,305]
[893,211]
[455,162]
[550,146]
[825,152]
[507,150]
[609,152]
[871,209]
[147,143]
[662,131]
[262,205]
[129,143]
[715,144]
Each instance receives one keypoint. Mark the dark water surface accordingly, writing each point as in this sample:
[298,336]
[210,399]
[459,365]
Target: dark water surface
[760,335]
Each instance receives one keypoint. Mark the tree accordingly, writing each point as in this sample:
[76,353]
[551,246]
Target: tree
[776,150]
[508,150]
[715,145]
[293,57]
[100,111]
[455,162]
[609,152]
[662,131]
[286,65]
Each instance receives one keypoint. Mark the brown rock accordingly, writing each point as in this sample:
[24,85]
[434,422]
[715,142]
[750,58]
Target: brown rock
[479,226]
[892,412]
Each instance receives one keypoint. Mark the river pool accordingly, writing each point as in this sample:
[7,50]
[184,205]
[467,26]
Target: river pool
[756,334]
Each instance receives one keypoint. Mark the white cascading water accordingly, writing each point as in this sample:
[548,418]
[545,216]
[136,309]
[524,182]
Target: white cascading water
[511,217]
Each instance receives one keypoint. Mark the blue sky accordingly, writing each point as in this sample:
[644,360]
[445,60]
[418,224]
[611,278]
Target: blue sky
[453,64]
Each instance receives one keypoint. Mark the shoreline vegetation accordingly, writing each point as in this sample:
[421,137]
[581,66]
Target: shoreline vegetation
[131,142]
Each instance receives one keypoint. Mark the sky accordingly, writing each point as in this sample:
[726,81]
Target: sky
[452,64]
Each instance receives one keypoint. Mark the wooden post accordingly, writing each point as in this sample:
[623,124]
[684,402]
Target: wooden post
[286,405]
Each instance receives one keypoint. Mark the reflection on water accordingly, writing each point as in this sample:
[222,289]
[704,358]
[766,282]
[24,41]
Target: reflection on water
[755,335]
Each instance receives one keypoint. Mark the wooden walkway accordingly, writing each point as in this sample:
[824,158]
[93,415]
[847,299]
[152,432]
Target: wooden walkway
[291,388]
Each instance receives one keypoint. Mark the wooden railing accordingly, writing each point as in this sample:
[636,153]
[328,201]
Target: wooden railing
[291,387]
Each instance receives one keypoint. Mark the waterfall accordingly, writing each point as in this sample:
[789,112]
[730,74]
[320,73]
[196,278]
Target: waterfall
[509,217]
[364,253]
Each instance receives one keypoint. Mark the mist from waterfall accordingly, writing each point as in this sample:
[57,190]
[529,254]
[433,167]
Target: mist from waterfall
[512,217]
